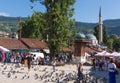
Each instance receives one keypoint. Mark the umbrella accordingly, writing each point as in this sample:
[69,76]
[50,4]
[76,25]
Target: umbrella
[116,54]
[104,53]
[3,49]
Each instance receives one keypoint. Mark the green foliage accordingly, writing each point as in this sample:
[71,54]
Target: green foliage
[114,42]
[113,36]
[85,27]
[110,43]
[33,27]
[59,24]
[111,25]
[105,35]
[96,30]
[9,24]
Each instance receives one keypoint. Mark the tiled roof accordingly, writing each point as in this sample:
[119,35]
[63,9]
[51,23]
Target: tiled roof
[34,43]
[26,43]
[12,43]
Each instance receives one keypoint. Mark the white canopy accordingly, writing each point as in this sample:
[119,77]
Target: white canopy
[115,54]
[103,53]
[3,49]
[107,54]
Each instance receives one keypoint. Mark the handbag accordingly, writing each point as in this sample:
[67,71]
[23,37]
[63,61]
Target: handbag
[116,72]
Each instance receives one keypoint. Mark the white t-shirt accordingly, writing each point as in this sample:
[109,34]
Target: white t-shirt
[111,67]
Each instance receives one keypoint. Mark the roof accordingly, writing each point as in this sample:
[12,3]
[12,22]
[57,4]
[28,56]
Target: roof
[34,43]
[26,43]
[12,43]
[91,37]
[80,36]
[82,41]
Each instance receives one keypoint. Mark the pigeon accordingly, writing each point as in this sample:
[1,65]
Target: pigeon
[36,77]
[23,77]
[11,69]
[22,68]
[28,77]
[5,68]
[15,77]
[3,73]
[13,72]
[18,72]
[52,80]
[35,69]
[8,75]
[2,65]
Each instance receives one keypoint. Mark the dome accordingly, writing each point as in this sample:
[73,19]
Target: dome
[80,36]
[91,37]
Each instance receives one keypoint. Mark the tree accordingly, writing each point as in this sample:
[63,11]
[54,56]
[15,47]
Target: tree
[27,28]
[105,35]
[59,24]
[96,30]
[116,45]
[33,27]
[110,43]
[114,42]
[114,36]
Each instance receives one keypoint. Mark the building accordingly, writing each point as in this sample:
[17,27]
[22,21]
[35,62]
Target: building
[12,43]
[100,32]
[25,44]
[92,38]
[83,45]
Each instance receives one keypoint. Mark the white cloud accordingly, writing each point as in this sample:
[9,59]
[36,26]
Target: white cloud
[4,14]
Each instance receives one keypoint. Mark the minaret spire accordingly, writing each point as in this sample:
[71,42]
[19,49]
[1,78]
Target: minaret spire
[100,34]
[100,12]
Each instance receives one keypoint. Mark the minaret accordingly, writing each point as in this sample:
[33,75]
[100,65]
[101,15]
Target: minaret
[100,33]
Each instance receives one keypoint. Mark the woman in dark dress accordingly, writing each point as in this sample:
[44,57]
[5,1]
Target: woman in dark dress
[80,74]
[29,60]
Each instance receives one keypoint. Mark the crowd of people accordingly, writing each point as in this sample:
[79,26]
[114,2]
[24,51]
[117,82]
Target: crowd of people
[27,59]
[101,63]
[106,64]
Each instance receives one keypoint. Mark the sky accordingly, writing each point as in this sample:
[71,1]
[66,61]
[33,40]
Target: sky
[85,10]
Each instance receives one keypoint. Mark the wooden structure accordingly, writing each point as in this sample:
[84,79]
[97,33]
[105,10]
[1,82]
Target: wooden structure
[80,45]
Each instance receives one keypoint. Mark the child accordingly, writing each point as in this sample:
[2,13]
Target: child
[54,65]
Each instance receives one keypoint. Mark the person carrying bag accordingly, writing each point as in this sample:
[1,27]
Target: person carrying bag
[112,70]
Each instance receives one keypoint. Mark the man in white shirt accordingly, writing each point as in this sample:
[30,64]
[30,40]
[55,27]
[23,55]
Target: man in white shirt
[111,69]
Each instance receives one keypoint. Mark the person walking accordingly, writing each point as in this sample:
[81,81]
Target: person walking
[101,65]
[94,64]
[80,69]
[29,61]
[47,60]
[3,58]
[111,69]
[54,65]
